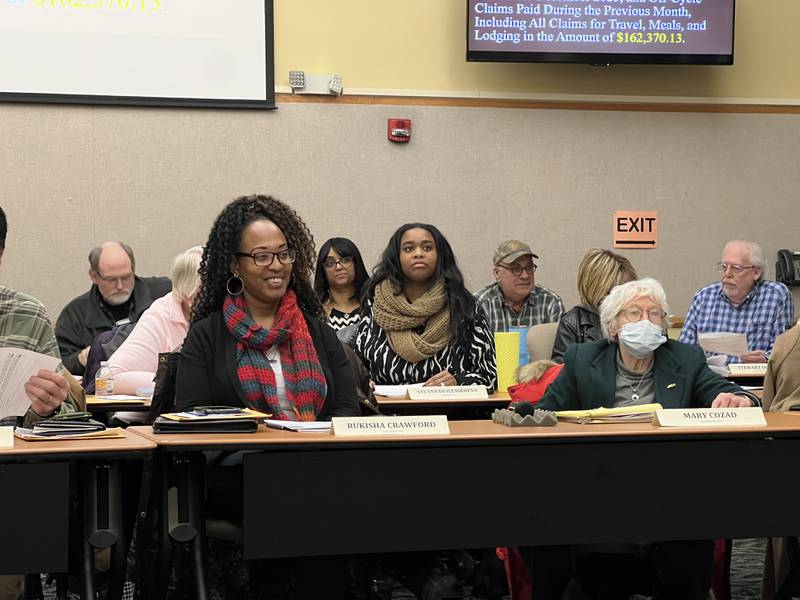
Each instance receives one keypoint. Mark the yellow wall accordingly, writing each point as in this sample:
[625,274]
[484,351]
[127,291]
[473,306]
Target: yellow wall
[417,46]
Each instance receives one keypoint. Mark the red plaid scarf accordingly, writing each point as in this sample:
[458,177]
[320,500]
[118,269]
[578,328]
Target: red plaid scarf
[305,381]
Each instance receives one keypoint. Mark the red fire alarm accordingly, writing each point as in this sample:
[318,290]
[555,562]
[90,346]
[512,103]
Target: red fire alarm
[399,130]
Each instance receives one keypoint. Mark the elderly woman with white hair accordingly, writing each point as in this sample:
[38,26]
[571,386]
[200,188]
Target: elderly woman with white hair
[161,328]
[634,364]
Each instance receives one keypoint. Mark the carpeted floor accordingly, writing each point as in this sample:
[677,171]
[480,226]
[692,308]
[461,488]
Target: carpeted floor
[747,564]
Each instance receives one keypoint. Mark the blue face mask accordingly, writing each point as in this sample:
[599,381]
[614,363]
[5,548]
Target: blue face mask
[640,338]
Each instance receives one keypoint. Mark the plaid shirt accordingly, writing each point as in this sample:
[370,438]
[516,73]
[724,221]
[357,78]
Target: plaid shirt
[24,324]
[541,306]
[765,313]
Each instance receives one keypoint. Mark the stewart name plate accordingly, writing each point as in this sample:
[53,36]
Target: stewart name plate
[747,369]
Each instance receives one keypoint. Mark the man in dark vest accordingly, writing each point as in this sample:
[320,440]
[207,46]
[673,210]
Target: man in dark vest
[117,296]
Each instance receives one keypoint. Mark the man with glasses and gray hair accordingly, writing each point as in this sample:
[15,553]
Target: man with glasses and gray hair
[117,296]
[741,302]
[514,299]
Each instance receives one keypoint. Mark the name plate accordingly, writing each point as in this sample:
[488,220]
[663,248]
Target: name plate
[753,369]
[405,425]
[448,392]
[711,417]
[7,437]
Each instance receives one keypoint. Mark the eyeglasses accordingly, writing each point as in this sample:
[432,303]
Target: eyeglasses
[634,313]
[516,270]
[344,261]
[122,279]
[735,269]
[263,258]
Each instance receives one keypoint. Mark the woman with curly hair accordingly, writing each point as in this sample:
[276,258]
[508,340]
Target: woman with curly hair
[340,281]
[421,325]
[256,338]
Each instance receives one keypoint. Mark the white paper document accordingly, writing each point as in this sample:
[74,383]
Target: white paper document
[6,437]
[394,391]
[723,342]
[312,426]
[16,367]
[717,364]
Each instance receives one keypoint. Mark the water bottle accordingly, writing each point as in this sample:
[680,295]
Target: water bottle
[524,356]
[103,381]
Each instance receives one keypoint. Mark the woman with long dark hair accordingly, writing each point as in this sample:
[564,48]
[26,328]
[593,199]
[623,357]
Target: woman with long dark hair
[421,325]
[256,337]
[340,281]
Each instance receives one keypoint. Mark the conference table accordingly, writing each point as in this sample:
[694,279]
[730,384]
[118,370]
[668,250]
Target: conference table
[487,485]
[747,379]
[36,478]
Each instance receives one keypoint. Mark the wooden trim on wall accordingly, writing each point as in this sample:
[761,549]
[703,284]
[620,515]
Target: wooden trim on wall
[541,104]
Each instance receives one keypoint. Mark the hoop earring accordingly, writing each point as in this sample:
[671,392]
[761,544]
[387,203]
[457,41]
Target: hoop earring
[240,284]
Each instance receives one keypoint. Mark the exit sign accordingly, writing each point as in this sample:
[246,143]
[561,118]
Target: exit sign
[635,229]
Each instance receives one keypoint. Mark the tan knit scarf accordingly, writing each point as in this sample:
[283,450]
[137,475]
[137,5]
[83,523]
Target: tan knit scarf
[399,318]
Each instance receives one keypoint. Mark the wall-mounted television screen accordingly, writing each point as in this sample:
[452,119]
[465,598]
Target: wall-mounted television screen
[601,31]
[208,53]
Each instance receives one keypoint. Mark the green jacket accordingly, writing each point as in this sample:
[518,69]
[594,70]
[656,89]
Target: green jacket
[681,376]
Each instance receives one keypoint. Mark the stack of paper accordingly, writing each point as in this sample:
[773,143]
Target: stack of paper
[59,427]
[624,414]
[232,413]
[27,434]
[309,426]
[216,419]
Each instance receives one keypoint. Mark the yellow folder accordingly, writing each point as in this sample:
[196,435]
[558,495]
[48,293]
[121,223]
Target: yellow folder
[622,414]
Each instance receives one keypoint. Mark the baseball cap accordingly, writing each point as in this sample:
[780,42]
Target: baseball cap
[511,250]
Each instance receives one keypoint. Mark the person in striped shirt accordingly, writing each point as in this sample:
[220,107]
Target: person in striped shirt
[24,324]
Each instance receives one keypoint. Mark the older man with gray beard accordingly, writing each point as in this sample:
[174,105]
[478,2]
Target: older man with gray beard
[117,296]
[741,302]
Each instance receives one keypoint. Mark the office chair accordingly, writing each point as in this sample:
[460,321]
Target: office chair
[540,340]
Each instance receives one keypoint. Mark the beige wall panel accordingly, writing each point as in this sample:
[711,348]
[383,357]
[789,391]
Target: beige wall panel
[71,177]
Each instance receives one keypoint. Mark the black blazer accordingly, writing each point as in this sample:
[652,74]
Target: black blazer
[207,369]
[681,376]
